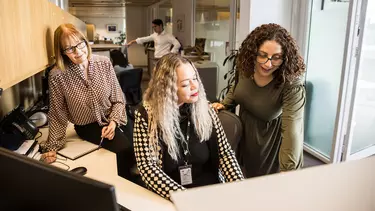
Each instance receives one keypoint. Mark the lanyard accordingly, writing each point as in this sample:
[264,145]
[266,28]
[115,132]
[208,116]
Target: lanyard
[185,144]
[186,175]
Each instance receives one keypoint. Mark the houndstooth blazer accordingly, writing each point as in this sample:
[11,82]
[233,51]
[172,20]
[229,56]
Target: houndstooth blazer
[150,167]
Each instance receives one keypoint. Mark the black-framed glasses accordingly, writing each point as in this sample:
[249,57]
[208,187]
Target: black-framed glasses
[275,60]
[72,49]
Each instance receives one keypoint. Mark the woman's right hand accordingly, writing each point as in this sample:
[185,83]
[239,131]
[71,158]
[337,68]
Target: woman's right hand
[218,106]
[49,157]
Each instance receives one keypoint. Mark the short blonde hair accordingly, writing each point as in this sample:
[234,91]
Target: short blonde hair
[66,30]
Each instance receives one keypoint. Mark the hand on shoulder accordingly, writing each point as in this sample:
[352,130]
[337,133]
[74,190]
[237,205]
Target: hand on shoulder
[218,106]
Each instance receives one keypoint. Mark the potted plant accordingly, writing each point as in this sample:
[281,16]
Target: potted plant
[121,38]
[232,74]
[96,38]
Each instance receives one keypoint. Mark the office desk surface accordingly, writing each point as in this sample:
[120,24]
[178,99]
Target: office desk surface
[101,166]
[206,64]
[105,46]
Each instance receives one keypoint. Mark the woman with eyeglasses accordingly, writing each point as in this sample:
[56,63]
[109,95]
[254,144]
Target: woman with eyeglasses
[84,90]
[270,91]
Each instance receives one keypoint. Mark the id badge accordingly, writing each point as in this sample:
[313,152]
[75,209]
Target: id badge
[186,175]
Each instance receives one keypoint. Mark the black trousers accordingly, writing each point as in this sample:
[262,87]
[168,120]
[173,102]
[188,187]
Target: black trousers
[121,144]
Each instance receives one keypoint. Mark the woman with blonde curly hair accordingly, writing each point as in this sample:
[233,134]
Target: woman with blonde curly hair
[178,139]
[271,95]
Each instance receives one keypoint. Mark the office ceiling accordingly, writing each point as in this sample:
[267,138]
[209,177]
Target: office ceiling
[213,3]
[116,8]
[110,3]
[121,3]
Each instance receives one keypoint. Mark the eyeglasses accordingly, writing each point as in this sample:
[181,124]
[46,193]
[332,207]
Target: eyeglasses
[73,48]
[275,60]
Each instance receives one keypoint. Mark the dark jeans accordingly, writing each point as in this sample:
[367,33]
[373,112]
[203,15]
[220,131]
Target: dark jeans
[121,144]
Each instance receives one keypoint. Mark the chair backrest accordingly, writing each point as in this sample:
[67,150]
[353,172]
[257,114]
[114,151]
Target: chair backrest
[232,126]
[130,82]
[124,50]
[209,76]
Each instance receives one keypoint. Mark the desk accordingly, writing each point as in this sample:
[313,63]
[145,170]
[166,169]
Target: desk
[101,166]
[195,58]
[102,47]
[346,187]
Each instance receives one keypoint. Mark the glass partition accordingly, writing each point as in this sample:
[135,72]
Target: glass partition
[212,23]
[361,131]
[166,14]
[324,60]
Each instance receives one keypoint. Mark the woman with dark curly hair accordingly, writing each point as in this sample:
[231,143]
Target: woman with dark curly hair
[271,95]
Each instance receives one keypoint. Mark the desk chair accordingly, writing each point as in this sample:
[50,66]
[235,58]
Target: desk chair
[124,50]
[130,82]
[210,77]
[232,126]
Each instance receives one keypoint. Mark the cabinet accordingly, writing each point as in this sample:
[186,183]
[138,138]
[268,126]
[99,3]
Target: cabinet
[26,41]
[90,32]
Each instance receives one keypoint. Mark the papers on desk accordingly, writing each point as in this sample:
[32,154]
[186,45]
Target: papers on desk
[76,148]
[29,148]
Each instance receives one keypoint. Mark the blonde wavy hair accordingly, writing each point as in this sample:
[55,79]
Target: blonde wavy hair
[163,113]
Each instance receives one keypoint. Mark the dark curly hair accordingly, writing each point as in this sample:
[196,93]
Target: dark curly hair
[292,66]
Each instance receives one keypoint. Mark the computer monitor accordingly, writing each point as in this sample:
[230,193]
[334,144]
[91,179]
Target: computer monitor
[27,184]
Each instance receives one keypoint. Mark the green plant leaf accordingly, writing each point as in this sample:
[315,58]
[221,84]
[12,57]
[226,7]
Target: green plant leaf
[231,74]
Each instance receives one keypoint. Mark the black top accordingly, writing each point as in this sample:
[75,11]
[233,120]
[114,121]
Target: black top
[204,166]
[160,172]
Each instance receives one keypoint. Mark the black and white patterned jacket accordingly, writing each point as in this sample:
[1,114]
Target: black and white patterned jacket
[150,167]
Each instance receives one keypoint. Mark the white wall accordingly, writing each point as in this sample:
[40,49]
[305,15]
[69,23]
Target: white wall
[186,9]
[254,13]
[136,22]
[101,29]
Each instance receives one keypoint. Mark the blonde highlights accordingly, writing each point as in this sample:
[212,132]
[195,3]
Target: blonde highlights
[163,113]
[64,31]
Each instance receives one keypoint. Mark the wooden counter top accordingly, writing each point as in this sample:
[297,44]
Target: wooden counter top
[105,46]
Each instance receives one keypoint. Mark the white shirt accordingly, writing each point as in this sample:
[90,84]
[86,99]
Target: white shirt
[163,43]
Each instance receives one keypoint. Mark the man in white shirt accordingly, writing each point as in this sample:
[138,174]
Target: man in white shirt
[163,41]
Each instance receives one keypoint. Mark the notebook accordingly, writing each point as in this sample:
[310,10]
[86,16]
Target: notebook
[76,148]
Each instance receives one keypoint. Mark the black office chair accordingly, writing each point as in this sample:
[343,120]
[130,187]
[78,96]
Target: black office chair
[124,50]
[130,82]
[232,126]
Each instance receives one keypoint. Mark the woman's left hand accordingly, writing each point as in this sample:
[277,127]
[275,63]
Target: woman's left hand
[108,131]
